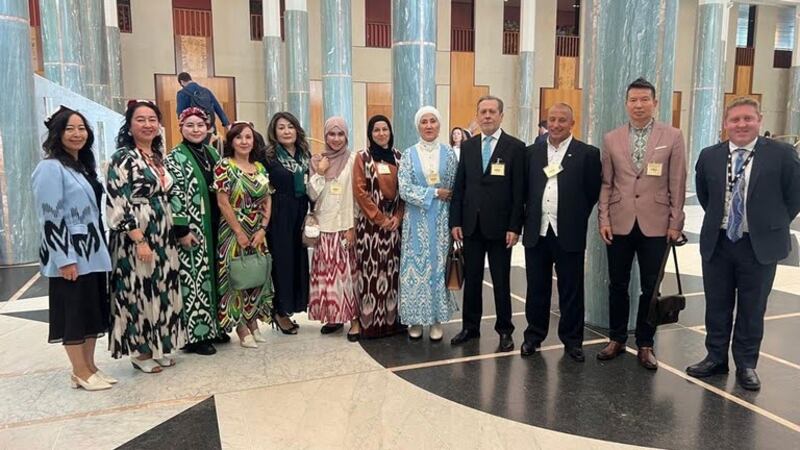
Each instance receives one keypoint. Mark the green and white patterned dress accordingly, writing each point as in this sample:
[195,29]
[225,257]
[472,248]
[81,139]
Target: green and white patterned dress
[146,304]
[194,209]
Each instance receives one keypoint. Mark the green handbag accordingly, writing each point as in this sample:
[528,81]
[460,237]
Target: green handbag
[248,271]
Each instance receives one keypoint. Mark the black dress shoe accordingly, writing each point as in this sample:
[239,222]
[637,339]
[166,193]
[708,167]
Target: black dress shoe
[506,342]
[329,328]
[706,368]
[464,336]
[353,337]
[528,348]
[205,348]
[223,338]
[575,353]
[748,379]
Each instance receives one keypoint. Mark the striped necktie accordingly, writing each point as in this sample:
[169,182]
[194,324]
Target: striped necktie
[736,207]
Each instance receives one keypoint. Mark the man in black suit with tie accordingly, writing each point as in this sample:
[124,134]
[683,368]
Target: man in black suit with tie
[749,188]
[563,185]
[486,213]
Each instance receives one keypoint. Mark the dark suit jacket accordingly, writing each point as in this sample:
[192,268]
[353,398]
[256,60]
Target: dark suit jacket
[578,191]
[497,201]
[772,201]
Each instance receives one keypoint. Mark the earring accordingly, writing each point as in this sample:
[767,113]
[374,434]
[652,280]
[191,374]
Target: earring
[129,133]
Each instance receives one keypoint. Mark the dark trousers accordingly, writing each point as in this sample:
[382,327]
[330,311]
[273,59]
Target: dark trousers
[650,253]
[734,273]
[539,261]
[476,246]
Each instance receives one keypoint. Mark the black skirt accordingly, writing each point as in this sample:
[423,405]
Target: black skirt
[79,309]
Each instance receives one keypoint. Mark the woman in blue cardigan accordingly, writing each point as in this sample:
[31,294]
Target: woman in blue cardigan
[73,253]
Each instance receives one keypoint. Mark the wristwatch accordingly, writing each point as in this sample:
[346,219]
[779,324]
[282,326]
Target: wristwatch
[264,227]
[140,241]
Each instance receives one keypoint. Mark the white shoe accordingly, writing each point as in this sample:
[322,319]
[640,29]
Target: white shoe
[257,336]
[248,342]
[166,361]
[107,378]
[436,332]
[94,383]
[415,331]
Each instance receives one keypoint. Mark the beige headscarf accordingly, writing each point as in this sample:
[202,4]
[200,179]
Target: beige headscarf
[337,159]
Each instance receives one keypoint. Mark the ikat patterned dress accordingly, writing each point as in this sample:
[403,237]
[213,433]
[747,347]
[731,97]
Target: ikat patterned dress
[424,298]
[146,304]
[245,192]
[192,207]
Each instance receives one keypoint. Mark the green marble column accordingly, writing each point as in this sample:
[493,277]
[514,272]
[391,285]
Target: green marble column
[114,59]
[298,95]
[337,60]
[414,65]
[273,58]
[94,51]
[527,119]
[19,139]
[624,40]
[61,48]
[708,93]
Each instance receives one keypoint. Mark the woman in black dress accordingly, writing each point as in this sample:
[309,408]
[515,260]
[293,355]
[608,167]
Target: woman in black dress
[287,159]
[73,254]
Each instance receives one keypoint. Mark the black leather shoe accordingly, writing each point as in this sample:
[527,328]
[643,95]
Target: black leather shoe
[329,328]
[205,348]
[706,368]
[464,336]
[748,379]
[506,342]
[223,338]
[575,353]
[528,348]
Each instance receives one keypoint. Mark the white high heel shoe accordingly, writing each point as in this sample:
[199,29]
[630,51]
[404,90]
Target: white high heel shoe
[415,331]
[436,332]
[105,377]
[257,336]
[94,383]
[248,342]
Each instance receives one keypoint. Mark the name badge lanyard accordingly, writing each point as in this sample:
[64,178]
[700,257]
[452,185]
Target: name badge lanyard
[734,178]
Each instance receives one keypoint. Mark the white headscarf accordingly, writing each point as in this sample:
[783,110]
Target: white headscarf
[418,117]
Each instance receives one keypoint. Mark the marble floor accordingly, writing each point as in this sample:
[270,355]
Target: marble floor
[321,392]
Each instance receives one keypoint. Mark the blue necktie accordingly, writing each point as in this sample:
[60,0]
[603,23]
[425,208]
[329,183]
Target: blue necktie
[736,208]
[486,153]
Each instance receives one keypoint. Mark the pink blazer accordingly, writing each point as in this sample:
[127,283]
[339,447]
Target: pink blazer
[628,195]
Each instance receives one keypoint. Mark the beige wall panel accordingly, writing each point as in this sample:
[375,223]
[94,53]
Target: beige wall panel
[358,22]
[771,83]
[372,65]
[443,26]
[149,49]
[443,68]
[730,58]
[443,99]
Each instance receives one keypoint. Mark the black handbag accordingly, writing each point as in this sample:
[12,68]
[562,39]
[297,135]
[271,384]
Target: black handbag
[454,271]
[664,309]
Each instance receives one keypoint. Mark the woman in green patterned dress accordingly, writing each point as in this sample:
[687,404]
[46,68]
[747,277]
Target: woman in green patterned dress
[243,194]
[146,302]
[196,216]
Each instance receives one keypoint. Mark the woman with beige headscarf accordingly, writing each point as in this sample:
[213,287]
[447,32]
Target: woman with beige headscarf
[333,298]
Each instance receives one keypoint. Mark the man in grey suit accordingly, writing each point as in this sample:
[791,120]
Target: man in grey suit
[749,188]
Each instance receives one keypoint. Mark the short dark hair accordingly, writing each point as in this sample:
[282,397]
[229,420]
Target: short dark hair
[256,154]
[184,77]
[641,83]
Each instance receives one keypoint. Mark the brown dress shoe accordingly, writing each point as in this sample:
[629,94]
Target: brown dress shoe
[611,351]
[647,358]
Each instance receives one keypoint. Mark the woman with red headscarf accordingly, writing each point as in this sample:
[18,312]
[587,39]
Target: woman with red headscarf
[333,298]
[196,223]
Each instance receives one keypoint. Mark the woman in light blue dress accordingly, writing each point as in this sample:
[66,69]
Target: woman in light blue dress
[426,176]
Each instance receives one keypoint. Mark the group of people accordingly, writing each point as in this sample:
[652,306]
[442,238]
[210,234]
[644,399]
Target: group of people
[385,221]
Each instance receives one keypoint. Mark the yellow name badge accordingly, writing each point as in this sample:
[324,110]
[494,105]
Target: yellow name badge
[654,169]
[383,169]
[336,188]
[433,178]
[498,169]
[552,170]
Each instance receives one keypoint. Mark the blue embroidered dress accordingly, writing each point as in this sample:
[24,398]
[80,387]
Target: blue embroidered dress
[424,298]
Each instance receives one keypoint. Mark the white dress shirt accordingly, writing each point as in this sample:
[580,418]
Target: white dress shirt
[335,212]
[732,148]
[550,196]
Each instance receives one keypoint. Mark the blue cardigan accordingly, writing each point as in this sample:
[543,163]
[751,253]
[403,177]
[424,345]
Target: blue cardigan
[70,220]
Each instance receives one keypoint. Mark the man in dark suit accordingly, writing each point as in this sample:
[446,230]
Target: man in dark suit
[486,213]
[749,188]
[563,185]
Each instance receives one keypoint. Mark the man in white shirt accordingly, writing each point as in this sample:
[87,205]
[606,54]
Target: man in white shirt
[563,185]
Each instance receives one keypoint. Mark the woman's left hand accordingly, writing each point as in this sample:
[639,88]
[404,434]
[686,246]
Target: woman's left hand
[258,239]
[350,236]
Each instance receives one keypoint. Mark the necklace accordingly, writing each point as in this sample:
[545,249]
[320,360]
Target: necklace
[156,166]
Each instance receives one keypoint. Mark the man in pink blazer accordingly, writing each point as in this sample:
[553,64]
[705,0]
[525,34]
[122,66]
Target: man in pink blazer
[640,209]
